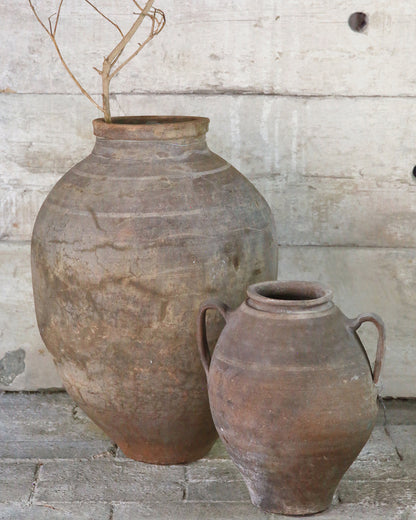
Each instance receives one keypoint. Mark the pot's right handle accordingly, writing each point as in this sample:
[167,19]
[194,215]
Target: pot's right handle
[201,337]
[356,323]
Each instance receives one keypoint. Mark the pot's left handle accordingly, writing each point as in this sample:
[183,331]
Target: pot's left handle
[201,337]
[356,323]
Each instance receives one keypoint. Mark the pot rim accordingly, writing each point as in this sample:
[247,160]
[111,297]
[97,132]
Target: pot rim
[151,128]
[289,294]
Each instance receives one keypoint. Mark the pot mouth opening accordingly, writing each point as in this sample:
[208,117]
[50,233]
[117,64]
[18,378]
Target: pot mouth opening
[150,120]
[292,294]
[142,128]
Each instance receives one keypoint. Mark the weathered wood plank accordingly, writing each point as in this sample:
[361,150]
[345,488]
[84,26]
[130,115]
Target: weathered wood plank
[324,165]
[299,47]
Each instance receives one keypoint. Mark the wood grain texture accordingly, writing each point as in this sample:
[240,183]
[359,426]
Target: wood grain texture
[300,47]
[335,171]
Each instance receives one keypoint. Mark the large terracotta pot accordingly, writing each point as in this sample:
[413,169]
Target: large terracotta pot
[291,391]
[124,248]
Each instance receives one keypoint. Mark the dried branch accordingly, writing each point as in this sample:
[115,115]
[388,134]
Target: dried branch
[106,17]
[107,73]
[157,26]
[82,89]
[51,33]
[119,48]
[112,58]
[37,17]
[57,16]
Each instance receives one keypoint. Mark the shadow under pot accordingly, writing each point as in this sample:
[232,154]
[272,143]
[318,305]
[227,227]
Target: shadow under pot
[291,391]
[124,249]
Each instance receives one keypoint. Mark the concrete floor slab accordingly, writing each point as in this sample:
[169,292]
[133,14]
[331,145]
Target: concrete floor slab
[16,481]
[109,480]
[47,426]
[59,511]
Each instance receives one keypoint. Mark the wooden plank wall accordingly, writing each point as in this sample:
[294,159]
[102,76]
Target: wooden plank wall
[320,118]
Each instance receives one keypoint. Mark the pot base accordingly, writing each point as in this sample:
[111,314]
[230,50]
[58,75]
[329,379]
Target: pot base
[272,505]
[297,499]
[162,455]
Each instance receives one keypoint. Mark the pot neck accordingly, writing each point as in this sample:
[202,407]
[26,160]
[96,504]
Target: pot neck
[290,296]
[151,128]
[153,136]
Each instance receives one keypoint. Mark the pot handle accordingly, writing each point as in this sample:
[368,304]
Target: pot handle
[201,337]
[356,323]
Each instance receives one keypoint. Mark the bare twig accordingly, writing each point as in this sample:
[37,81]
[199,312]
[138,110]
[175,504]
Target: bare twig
[51,32]
[82,89]
[57,16]
[115,54]
[107,73]
[106,17]
[119,48]
[157,26]
[37,17]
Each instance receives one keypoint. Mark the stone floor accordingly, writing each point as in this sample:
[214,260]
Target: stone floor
[55,464]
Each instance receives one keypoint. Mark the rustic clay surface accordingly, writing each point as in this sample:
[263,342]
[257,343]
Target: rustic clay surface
[291,392]
[124,249]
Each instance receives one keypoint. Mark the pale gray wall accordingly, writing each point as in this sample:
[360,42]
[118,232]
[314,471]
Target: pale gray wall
[320,118]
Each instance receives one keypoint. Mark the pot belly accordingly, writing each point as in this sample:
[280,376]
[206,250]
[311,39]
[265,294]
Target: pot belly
[292,431]
[117,311]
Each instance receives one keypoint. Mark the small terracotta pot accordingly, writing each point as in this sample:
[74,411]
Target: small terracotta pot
[291,391]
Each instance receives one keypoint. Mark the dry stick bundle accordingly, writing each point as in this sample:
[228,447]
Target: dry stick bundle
[109,68]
